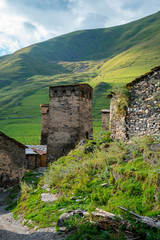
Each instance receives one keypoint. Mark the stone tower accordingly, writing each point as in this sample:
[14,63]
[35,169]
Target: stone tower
[70,118]
[44,129]
[105,119]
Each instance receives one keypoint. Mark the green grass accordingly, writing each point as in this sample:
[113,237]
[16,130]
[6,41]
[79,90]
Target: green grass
[104,58]
[28,130]
[23,130]
[131,183]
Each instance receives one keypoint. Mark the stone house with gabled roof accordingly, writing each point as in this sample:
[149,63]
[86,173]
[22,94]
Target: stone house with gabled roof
[12,161]
[36,156]
[142,114]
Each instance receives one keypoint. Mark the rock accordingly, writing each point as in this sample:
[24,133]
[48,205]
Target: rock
[48,197]
[117,176]
[41,170]
[104,184]
[65,216]
[23,221]
[35,228]
[86,214]
[61,209]
[48,229]
[30,221]
[73,198]
[46,187]
[39,175]
[62,229]
[78,200]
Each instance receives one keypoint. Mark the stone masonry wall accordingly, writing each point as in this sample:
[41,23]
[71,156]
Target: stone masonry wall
[85,113]
[12,161]
[45,117]
[70,118]
[143,114]
[117,121]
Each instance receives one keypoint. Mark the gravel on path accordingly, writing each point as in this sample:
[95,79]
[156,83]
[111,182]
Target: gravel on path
[11,229]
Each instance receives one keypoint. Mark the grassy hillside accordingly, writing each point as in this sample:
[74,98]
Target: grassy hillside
[100,174]
[104,58]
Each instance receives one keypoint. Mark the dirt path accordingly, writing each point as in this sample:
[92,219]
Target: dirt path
[11,229]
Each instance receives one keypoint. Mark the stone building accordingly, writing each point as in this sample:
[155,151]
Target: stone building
[142,116]
[44,129]
[12,161]
[105,119]
[36,156]
[70,118]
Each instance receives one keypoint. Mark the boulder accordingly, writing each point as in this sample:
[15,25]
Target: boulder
[69,214]
[48,197]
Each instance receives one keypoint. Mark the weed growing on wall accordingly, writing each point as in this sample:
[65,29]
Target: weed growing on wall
[121,100]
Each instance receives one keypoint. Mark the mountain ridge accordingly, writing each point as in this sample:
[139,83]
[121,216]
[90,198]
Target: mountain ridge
[112,56]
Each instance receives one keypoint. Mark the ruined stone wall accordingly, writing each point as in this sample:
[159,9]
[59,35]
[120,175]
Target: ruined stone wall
[85,113]
[117,121]
[12,162]
[143,114]
[70,118]
[44,129]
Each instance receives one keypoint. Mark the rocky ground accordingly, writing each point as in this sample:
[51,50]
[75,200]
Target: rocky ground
[11,229]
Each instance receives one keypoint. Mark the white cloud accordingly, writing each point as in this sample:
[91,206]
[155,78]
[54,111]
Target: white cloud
[24,22]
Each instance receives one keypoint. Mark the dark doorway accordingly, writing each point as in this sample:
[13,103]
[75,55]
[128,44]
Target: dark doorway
[87,135]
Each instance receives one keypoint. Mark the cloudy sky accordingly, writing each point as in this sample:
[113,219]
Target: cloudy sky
[24,22]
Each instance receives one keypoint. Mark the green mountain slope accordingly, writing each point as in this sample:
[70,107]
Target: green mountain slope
[104,58]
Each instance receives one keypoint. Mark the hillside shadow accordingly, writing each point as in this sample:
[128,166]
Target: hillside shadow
[101,88]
